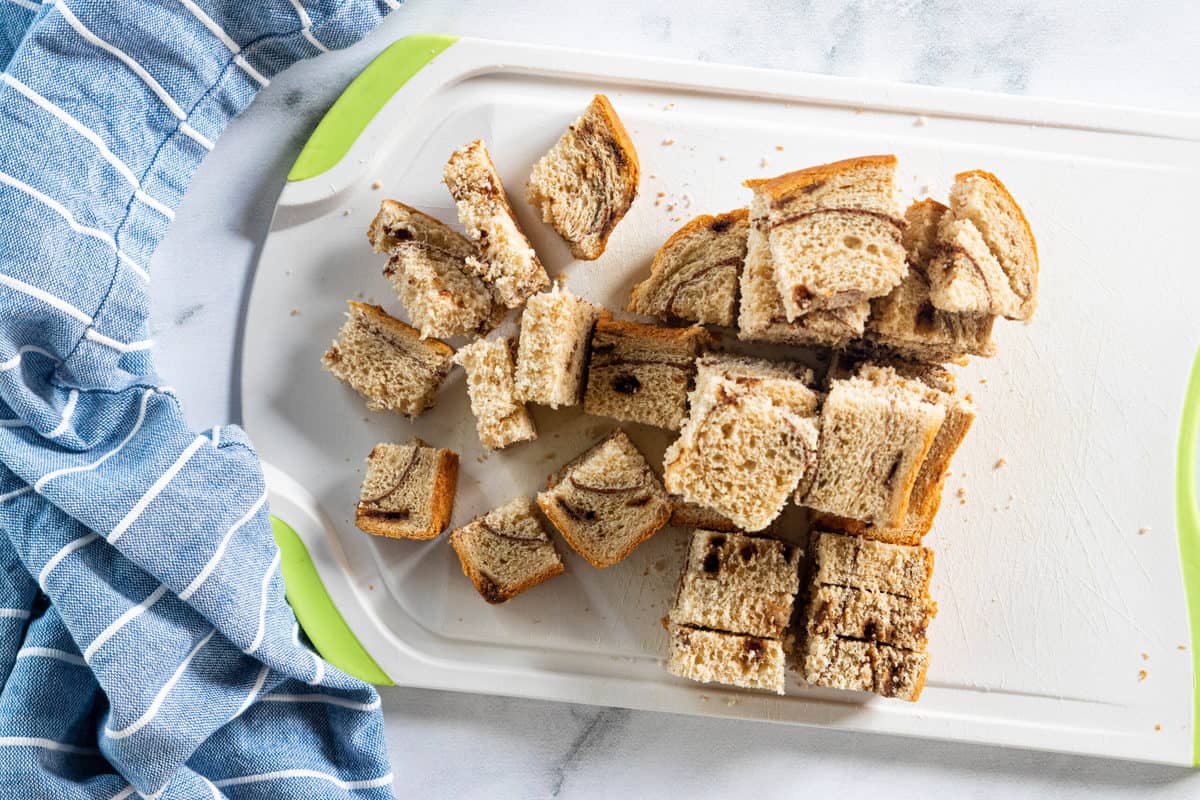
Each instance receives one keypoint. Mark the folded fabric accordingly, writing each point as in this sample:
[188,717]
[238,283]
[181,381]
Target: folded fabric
[145,642]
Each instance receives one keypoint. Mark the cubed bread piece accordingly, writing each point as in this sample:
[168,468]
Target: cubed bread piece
[745,446]
[987,261]
[872,616]
[694,275]
[906,321]
[642,373]
[506,262]
[875,435]
[846,364]
[739,584]
[506,551]
[747,368]
[761,317]
[748,662]
[556,328]
[926,494]
[607,501]
[839,663]
[408,491]
[428,268]
[387,361]
[693,515]
[859,563]
[588,180]
[500,418]
[834,233]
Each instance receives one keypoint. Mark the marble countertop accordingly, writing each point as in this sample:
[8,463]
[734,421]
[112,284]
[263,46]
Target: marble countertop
[446,744]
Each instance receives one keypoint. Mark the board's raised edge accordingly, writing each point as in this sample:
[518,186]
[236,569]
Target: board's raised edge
[358,104]
[1187,512]
[316,613]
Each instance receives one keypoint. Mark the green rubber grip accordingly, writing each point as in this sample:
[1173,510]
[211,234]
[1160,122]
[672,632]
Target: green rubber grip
[1187,513]
[317,614]
[362,100]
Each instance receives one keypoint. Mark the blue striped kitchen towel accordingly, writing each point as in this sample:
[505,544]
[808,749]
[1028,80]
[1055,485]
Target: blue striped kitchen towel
[146,646]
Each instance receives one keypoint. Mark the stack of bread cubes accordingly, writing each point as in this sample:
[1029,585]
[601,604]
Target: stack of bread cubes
[824,259]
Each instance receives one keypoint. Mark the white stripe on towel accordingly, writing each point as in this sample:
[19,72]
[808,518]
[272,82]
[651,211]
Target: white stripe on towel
[372,783]
[87,133]
[121,347]
[30,4]
[155,490]
[327,699]
[69,218]
[46,744]
[161,697]
[42,294]
[258,684]
[13,495]
[121,621]
[15,361]
[197,136]
[123,57]
[306,26]
[262,609]
[121,795]
[14,613]
[67,549]
[233,47]
[220,551]
[137,426]
[49,652]
[64,424]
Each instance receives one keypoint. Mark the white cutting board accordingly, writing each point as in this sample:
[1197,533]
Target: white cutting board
[1048,594]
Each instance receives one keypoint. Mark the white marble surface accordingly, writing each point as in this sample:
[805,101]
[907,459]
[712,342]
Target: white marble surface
[450,745]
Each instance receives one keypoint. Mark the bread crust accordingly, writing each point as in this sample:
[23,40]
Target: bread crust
[441,504]
[782,187]
[377,314]
[633,173]
[487,588]
[377,230]
[564,527]
[639,297]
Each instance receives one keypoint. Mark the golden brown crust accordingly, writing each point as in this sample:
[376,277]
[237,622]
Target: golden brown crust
[783,186]
[910,533]
[445,484]
[1000,187]
[377,231]
[378,315]
[663,335]
[486,587]
[564,527]
[441,504]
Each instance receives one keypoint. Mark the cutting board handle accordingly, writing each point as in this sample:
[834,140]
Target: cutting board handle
[298,525]
[362,100]
[1187,512]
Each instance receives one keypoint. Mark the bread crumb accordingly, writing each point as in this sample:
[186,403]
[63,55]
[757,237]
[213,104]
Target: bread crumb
[921,122]
[1000,462]
[670,207]
[668,106]
[962,492]
[859,110]
[1141,675]
[983,381]
[1145,656]
[653,177]
[687,200]
[926,189]
[371,586]
[661,194]
[722,157]
[377,185]
[295,312]
[668,142]
[1142,531]
[763,162]
[346,213]
[660,565]
[703,698]
[1181,647]
[779,148]
[1158,727]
